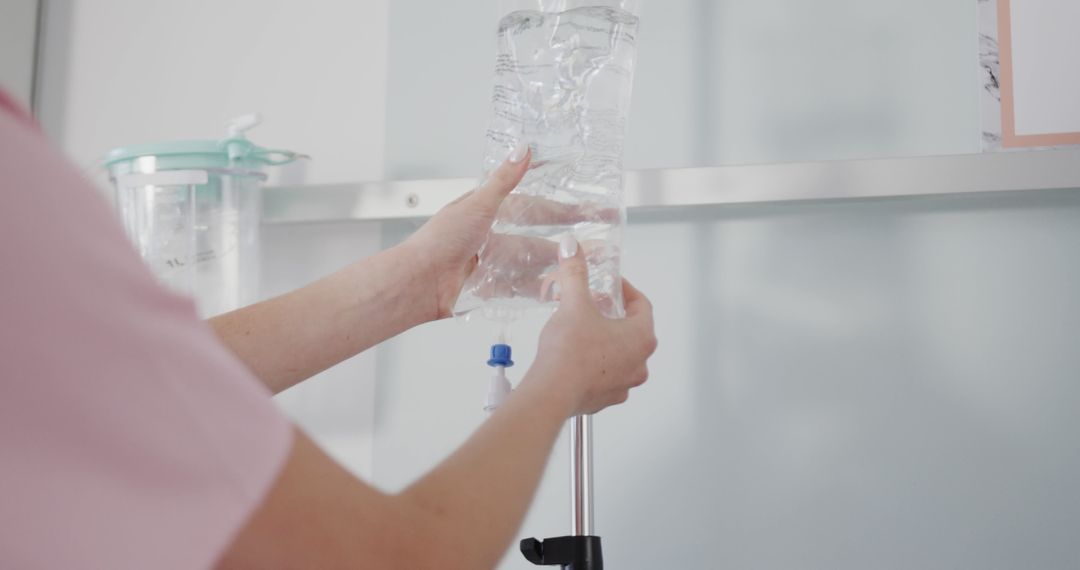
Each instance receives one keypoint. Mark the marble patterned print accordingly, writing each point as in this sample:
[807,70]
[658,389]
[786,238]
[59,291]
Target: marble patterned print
[989,72]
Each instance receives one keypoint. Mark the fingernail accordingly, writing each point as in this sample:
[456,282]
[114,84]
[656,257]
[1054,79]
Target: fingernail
[567,247]
[518,154]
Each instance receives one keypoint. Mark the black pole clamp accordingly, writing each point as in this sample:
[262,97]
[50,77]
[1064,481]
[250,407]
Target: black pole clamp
[570,552]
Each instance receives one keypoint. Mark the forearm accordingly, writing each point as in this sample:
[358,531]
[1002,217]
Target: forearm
[292,337]
[474,502]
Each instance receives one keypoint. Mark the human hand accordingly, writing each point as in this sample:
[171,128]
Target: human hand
[447,247]
[591,359]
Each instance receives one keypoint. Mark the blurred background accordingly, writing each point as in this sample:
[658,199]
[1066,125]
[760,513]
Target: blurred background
[888,383]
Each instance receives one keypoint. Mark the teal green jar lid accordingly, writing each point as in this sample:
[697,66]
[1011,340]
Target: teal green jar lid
[182,155]
[235,151]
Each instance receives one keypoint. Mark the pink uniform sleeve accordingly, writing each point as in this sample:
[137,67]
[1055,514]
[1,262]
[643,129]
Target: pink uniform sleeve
[129,436]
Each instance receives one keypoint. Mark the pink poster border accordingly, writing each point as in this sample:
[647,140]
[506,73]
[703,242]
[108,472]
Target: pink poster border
[1009,138]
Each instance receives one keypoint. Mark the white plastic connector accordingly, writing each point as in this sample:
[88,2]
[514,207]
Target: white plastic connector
[498,390]
[239,125]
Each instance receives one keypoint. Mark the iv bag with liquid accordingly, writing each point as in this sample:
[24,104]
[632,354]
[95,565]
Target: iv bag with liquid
[563,79]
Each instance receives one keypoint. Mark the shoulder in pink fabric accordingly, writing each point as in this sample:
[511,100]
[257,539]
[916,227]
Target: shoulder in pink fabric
[10,106]
[130,437]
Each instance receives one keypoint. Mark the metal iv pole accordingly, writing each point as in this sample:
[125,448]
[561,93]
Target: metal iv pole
[581,550]
[581,488]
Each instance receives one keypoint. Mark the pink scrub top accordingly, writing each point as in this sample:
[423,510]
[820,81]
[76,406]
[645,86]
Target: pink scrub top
[130,437]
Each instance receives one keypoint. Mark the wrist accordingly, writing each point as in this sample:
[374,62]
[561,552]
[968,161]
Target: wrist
[420,280]
[544,387]
[421,266]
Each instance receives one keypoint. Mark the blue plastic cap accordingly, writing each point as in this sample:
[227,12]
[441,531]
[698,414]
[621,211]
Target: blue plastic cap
[500,356]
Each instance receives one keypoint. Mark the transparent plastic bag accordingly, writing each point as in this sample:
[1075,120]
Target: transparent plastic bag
[563,83]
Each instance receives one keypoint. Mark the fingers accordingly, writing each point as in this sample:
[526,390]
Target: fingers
[534,210]
[574,277]
[505,178]
[640,311]
[529,253]
[531,259]
[633,297]
[641,377]
[637,304]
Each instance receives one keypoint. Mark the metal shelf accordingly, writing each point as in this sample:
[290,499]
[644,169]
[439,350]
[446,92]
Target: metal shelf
[695,187]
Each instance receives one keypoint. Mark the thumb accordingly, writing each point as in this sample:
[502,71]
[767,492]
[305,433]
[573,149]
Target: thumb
[505,178]
[574,276]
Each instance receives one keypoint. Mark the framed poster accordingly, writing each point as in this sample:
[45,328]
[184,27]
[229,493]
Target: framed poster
[1029,56]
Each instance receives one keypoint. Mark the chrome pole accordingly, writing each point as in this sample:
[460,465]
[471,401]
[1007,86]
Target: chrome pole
[581,487]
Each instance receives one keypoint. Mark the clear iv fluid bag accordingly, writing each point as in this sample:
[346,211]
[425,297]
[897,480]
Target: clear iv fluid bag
[563,81]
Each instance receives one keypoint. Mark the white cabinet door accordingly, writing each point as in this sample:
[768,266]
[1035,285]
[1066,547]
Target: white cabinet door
[718,82]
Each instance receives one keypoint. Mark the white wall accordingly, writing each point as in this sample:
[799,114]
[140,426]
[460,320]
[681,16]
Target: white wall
[18,33]
[718,82]
[119,72]
[336,407]
[886,384]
